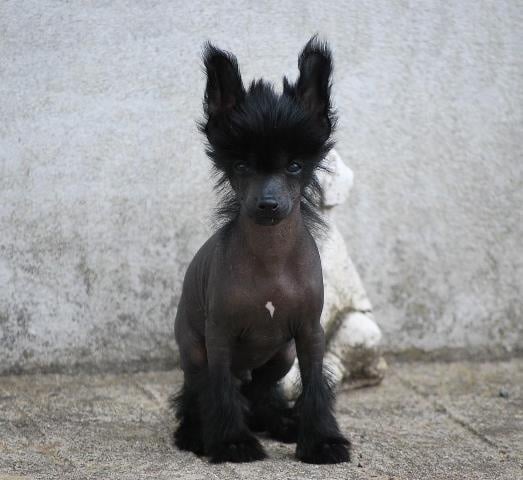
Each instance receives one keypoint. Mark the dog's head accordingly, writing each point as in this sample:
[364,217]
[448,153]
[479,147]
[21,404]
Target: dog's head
[267,146]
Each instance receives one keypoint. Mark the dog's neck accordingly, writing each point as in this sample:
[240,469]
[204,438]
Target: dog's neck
[273,245]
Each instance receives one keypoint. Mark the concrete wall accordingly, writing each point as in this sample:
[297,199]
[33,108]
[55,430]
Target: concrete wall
[104,190]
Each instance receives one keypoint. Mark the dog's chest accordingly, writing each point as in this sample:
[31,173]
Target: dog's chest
[262,310]
[262,319]
[266,299]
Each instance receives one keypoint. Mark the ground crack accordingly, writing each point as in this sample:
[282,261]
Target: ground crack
[439,407]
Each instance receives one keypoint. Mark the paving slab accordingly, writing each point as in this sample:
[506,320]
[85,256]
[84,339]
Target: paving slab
[466,391]
[426,420]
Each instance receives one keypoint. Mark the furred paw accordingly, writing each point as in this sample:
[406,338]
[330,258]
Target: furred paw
[188,438]
[245,449]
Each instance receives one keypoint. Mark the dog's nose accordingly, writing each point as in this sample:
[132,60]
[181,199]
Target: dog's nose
[267,204]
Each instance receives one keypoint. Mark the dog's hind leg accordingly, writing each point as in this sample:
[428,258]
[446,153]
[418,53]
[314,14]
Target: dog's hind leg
[269,410]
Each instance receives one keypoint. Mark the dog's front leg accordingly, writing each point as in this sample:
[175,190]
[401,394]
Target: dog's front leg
[319,437]
[226,435]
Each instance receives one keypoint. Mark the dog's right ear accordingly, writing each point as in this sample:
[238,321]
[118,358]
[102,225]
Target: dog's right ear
[224,90]
[312,89]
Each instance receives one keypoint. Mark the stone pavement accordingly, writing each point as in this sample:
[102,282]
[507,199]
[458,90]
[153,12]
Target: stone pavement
[459,420]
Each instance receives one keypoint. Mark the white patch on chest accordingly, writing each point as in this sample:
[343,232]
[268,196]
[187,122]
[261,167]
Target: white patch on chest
[269,306]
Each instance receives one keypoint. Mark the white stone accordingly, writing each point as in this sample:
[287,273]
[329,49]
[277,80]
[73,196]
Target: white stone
[291,382]
[358,330]
[336,182]
[354,337]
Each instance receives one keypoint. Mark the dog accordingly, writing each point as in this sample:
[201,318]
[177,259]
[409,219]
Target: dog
[253,294]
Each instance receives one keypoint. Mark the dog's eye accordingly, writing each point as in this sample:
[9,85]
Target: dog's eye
[293,167]
[241,167]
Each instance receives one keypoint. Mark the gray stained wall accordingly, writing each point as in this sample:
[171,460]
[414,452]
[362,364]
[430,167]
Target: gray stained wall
[104,185]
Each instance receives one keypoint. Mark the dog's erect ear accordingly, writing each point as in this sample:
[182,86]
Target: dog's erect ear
[224,89]
[314,83]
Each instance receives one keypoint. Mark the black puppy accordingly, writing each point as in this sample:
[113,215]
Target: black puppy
[253,294]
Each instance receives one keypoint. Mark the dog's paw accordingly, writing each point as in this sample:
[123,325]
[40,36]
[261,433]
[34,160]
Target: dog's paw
[321,451]
[188,438]
[245,449]
[285,427]
[280,423]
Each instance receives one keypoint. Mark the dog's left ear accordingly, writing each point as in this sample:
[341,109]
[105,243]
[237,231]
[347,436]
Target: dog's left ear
[314,83]
[224,89]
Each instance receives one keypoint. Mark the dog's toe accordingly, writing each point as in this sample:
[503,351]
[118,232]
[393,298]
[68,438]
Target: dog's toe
[188,439]
[325,451]
[246,449]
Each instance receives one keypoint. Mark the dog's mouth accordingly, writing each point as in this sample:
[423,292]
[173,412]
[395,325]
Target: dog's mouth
[267,218]
[267,221]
